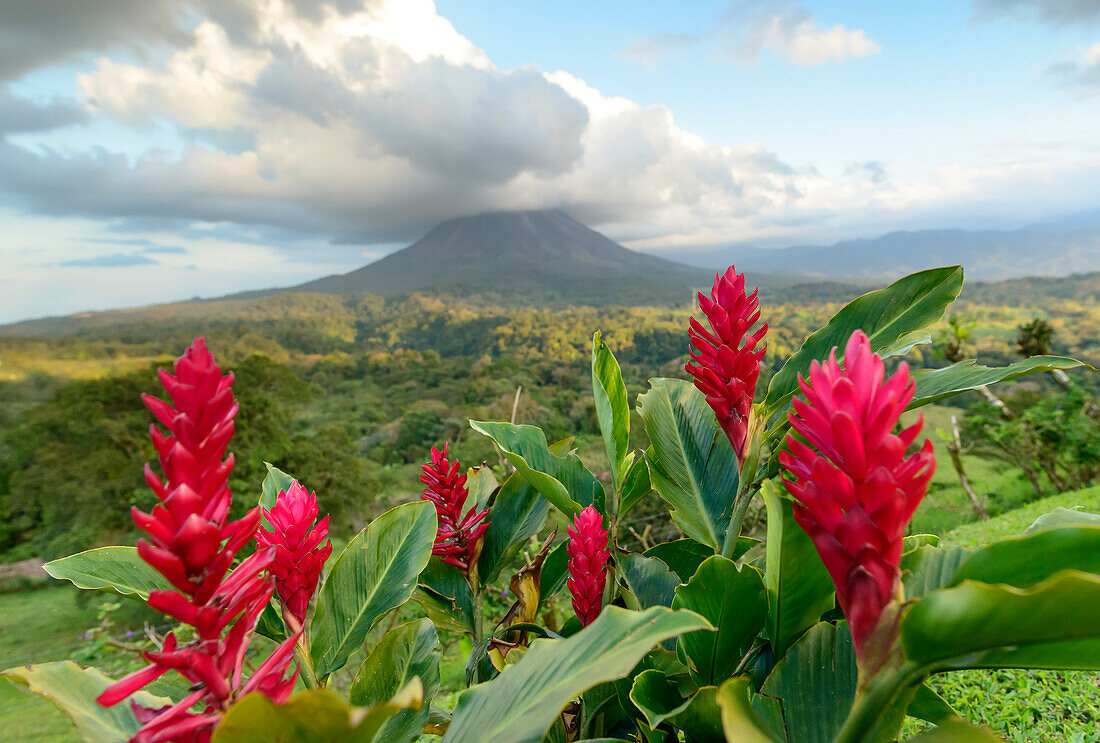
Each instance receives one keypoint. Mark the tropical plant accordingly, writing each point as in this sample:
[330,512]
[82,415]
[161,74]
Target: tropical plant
[823,629]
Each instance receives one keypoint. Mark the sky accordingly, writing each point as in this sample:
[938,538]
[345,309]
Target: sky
[156,150]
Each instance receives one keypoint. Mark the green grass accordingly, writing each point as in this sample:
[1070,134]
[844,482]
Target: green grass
[1016,521]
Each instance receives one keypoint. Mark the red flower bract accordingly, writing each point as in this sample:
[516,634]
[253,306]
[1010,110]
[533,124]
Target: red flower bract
[299,555]
[193,546]
[588,553]
[458,538]
[855,489]
[727,362]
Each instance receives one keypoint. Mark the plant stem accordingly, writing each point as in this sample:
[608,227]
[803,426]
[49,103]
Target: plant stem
[478,625]
[875,701]
[740,508]
[301,652]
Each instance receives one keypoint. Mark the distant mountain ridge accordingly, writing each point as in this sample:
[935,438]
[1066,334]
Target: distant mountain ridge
[541,252]
[989,255]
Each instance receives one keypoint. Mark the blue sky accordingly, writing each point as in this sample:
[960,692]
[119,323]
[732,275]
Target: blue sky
[152,150]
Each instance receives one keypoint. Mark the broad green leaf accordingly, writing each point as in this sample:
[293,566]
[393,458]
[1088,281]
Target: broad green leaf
[733,600]
[555,571]
[1063,517]
[518,513]
[313,716]
[957,731]
[929,706]
[271,624]
[906,343]
[887,316]
[276,480]
[444,595]
[702,719]
[636,485]
[404,653]
[799,587]
[927,569]
[740,720]
[1027,560]
[692,464]
[74,690]
[612,408]
[683,556]
[936,384]
[562,480]
[648,578]
[815,683]
[117,569]
[480,484]
[376,572]
[524,700]
[977,625]
[657,698]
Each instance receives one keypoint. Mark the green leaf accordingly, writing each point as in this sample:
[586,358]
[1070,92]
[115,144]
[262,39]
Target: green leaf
[271,624]
[524,700]
[936,384]
[444,595]
[276,480]
[799,587]
[314,716]
[906,343]
[929,706]
[957,731]
[117,569]
[740,719]
[636,485]
[74,690]
[815,683]
[376,572]
[691,462]
[612,408]
[555,571]
[733,600]
[480,484]
[404,653]
[927,569]
[702,719]
[1027,560]
[657,698]
[649,579]
[518,513]
[887,316]
[977,625]
[562,480]
[683,556]
[1063,517]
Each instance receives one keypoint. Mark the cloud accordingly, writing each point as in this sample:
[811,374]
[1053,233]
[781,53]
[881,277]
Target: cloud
[872,170]
[115,260]
[745,30]
[1081,71]
[1056,12]
[789,31]
[18,115]
[650,50]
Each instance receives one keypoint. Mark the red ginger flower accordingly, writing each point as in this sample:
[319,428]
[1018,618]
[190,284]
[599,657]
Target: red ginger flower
[193,546]
[855,490]
[298,554]
[727,363]
[588,553]
[458,538]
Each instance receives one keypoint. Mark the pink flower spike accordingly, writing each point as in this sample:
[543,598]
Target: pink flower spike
[854,488]
[296,536]
[458,538]
[588,553]
[726,360]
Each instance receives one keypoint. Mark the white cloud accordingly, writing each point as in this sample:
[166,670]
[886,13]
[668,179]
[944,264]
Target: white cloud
[1081,70]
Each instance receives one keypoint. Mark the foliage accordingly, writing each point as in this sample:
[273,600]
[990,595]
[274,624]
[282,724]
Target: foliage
[715,636]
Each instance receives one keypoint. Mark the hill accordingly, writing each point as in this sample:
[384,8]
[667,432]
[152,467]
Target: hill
[1038,250]
[540,254]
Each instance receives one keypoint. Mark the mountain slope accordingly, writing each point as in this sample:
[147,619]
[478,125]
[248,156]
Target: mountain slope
[537,251]
[1039,250]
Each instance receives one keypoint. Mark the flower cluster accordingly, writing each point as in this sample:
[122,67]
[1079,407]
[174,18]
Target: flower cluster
[726,360]
[588,553]
[193,545]
[854,487]
[296,536]
[458,539]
